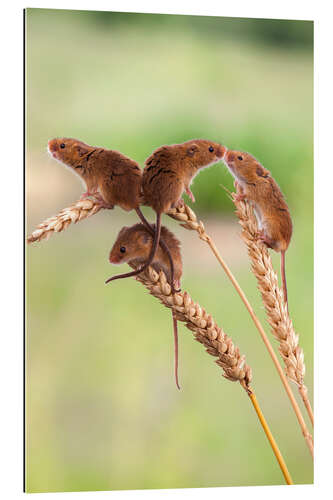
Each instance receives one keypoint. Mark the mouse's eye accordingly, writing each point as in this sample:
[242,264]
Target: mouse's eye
[211,149]
[122,249]
[240,157]
[62,145]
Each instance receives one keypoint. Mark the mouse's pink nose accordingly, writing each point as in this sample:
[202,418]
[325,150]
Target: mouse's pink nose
[229,156]
[221,151]
[114,259]
[52,145]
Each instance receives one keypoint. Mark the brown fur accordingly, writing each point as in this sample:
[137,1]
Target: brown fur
[116,177]
[256,184]
[169,171]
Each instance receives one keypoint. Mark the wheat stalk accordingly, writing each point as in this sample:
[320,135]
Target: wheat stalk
[214,339]
[76,212]
[188,219]
[272,296]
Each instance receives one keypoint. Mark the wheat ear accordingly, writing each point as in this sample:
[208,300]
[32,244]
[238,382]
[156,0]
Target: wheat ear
[214,339]
[188,219]
[76,212]
[272,296]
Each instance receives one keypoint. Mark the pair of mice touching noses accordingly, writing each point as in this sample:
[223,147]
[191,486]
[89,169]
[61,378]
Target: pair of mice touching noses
[114,179]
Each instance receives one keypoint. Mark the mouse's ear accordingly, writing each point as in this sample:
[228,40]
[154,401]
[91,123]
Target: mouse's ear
[261,171]
[194,148]
[145,237]
[122,231]
[82,149]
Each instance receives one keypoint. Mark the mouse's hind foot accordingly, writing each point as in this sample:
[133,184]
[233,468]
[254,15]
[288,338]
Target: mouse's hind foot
[262,236]
[190,194]
[88,193]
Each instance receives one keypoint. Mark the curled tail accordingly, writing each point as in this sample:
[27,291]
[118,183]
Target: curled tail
[175,335]
[162,245]
[283,277]
[150,258]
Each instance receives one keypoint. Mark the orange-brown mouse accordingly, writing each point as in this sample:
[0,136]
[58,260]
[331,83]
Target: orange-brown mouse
[108,175]
[133,245]
[169,171]
[256,184]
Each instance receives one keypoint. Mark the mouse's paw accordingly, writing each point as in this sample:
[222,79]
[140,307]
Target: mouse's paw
[98,198]
[262,236]
[240,197]
[180,203]
[88,193]
[190,194]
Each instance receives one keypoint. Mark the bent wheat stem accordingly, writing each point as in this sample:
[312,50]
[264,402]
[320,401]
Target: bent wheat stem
[215,340]
[188,220]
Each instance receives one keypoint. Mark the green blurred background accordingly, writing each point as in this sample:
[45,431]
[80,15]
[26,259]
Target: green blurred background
[102,408]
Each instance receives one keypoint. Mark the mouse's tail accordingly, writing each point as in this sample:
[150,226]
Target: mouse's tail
[283,276]
[175,335]
[162,245]
[150,258]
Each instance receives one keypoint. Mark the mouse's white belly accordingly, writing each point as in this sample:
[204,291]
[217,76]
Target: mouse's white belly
[258,216]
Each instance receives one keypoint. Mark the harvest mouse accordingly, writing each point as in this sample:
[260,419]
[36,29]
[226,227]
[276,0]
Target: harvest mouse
[256,184]
[108,175]
[133,246]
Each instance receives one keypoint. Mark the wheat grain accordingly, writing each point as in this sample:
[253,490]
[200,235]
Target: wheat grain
[73,214]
